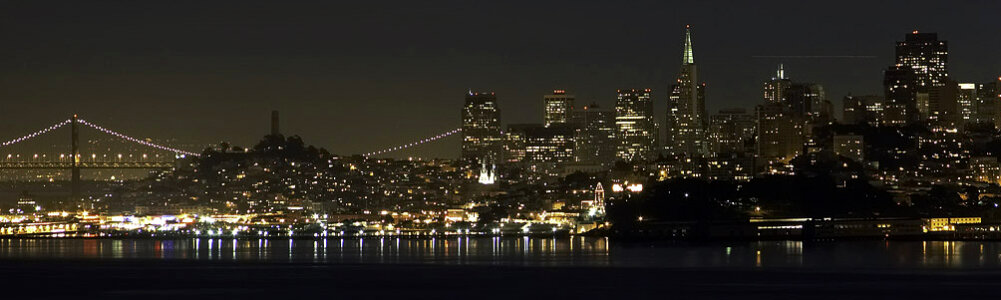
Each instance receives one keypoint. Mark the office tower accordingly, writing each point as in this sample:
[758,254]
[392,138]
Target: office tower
[943,106]
[921,63]
[866,109]
[900,106]
[809,101]
[514,142]
[731,145]
[637,130]
[537,143]
[481,129]
[967,101]
[559,108]
[806,100]
[988,103]
[731,131]
[774,89]
[780,136]
[926,56]
[687,119]
[595,139]
[850,146]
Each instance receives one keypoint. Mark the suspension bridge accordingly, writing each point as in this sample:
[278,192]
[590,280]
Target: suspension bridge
[75,162]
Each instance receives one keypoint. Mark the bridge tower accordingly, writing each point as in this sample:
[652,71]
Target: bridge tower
[75,169]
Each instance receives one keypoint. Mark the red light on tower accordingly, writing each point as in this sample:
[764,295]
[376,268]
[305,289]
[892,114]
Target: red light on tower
[914,32]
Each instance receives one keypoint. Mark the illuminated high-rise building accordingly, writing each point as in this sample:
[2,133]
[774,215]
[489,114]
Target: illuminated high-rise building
[636,125]
[774,89]
[596,138]
[901,105]
[731,131]
[780,137]
[967,100]
[988,103]
[943,104]
[559,108]
[809,101]
[731,145]
[805,99]
[921,64]
[687,119]
[481,128]
[927,56]
[537,143]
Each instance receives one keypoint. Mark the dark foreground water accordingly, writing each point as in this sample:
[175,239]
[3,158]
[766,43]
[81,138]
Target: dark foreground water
[504,267]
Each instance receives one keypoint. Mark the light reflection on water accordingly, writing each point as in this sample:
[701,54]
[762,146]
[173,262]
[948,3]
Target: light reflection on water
[562,251]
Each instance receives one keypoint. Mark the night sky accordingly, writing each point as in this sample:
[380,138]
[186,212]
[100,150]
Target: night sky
[360,75]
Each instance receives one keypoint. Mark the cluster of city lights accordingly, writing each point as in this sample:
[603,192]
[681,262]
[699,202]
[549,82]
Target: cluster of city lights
[417,143]
[135,140]
[34,134]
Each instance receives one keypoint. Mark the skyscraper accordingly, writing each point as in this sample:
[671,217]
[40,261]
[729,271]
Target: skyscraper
[901,104]
[967,100]
[988,103]
[731,145]
[559,108]
[943,103]
[596,138]
[637,128]
[921,64]
[926,56]
[780,136]
[731,131]
[687,119]
[481,128]
[808,101]
[537,143]
[774,89]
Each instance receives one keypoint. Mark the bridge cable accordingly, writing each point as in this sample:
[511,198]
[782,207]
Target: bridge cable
[35,134]
[135,140]
[416,143]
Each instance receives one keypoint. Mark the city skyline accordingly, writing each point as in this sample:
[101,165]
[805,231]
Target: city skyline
[500,149]
[152,83]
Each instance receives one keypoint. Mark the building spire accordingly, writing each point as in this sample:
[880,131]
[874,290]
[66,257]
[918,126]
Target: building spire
[781,73]
[688,57]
